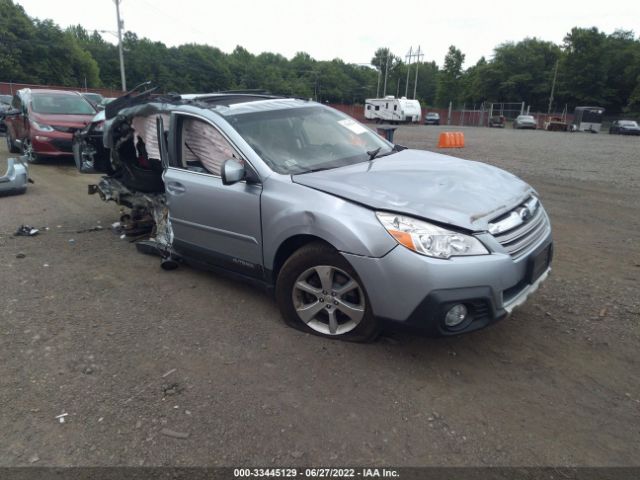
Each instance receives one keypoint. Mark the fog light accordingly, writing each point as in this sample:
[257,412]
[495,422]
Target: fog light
[456,315]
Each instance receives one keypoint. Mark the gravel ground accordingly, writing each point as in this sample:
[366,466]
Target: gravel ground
[188,368]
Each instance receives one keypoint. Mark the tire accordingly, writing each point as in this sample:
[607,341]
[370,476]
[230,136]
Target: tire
[10,145]
[330,313]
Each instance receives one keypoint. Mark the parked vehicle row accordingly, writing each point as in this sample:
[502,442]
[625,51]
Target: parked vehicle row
[42,122]
[624,127]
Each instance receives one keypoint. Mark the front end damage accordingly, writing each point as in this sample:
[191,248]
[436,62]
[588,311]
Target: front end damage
[147,219]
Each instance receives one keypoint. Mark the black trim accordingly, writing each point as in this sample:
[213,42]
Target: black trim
[428,317]
[215,260]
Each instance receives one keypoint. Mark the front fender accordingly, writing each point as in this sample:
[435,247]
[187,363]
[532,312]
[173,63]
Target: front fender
[290,209]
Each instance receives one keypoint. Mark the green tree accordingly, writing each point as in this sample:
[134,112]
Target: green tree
[449,85]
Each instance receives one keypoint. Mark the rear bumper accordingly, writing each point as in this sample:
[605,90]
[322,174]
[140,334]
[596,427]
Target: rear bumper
[413,291]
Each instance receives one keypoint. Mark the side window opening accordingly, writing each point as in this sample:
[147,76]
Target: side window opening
[377,107]
[395,107]
[203,149]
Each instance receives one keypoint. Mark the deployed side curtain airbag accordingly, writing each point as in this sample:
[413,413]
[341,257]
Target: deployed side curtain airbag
[202,142]
[145,128]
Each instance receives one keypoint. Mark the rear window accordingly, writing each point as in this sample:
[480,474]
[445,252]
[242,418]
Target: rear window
[61,104]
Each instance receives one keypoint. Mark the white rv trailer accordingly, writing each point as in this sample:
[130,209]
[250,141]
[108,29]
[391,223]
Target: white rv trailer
[392,109]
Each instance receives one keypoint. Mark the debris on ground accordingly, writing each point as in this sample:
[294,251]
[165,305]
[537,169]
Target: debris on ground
[173,434]
[97,228]
[172,389]
[61,417]
[26,231]
[20,255]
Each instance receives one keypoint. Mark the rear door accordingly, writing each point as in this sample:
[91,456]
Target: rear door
[215,223]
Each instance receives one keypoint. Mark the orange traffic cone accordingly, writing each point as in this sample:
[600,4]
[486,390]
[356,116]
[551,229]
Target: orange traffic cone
[451,140]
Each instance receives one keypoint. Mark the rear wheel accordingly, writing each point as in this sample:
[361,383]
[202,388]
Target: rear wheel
[319,292]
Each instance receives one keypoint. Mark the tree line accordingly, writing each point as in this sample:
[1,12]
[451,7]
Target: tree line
[591,67]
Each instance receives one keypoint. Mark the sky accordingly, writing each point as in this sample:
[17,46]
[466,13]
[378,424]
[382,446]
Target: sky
[348,29]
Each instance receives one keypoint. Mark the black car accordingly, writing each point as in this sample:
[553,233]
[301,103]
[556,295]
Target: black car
[497,121]
[625,127]
[5,104]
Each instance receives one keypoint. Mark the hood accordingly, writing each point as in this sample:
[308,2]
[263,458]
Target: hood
[427,185]
[78,121]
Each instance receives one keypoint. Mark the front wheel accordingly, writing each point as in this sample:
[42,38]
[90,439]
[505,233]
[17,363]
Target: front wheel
[320,293]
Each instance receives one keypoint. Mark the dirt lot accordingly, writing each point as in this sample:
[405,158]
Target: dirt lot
[91,328]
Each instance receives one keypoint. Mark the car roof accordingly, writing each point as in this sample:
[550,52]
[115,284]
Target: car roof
[237,104]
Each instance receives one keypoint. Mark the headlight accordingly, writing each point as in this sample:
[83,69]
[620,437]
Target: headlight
[99,127]
[428,239]
[41,126]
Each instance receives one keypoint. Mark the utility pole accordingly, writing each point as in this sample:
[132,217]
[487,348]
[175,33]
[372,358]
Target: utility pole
[409,56]
[419,56]
[120,25]
[386,72]
[553,87]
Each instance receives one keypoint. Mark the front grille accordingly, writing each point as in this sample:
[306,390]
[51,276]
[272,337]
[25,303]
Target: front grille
[518,240]
[62,144]
[60,128]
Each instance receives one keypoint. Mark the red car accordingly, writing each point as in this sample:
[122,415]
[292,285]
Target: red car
[41,123]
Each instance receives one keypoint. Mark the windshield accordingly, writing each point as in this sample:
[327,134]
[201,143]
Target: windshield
[525,117]
[298,140]
[93,97]
[628,123]
[61,104]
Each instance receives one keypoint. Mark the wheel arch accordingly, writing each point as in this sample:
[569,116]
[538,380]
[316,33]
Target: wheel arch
[290,246]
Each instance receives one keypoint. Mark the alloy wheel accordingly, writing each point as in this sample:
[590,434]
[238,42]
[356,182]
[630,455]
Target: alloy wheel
[328,300]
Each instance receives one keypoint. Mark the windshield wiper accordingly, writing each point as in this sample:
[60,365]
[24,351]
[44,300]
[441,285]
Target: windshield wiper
[315,170]
[373,153]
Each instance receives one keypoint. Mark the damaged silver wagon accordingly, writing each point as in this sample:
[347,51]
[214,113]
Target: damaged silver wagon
[350,230]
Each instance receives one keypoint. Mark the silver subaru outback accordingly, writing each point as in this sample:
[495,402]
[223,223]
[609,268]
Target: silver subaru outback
[350,231]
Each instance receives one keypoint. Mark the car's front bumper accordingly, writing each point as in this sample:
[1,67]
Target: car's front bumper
[52,144]
[417,291]
[14,181]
